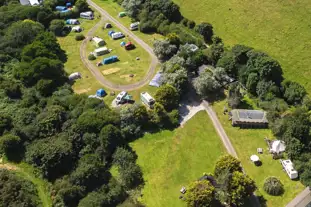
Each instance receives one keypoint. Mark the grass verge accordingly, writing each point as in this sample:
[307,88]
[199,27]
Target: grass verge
[172,159]
[246,142]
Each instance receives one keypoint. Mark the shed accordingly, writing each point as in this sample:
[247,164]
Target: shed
[98,41]
[101,51]
[108,25]
[60,8]
[72,21]
[156,80]
[122,14]
[101,92]
[74,76]
[244,118]
[111,59]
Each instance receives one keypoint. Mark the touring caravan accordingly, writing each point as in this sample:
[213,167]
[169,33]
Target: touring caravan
[72,21]
[147,99]
[117,35]
[289,168]
[134,26]
[87,15]
[101,51]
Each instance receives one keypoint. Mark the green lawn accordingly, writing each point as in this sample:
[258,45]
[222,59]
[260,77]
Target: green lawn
[88,84]
[113,9]
[172,159]
[281,28]
[119,72]
[246,142]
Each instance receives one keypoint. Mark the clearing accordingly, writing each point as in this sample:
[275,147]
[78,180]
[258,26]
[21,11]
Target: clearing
[280,28]
[172,159]
[246,142]
[127,63]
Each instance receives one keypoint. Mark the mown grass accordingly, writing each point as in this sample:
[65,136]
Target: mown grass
[113,9]
[172,159]
[119,72]
[280,28]
[246,142]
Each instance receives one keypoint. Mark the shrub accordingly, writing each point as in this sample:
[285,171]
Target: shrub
[79,37]
[91,57]
[191,24]
[273,186]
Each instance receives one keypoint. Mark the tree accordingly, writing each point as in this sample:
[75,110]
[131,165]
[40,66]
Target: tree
[206,30]
[5,123]
[132,7]
[167,96]
[174,39]
[229,63]
[240,53]
[273,186]
[164,50]
[234,97]
[267,90]
[17,191]
[252,82]
[36,49]
[200,193]
[205,85]
[110,137]
[10,145]
[215,52]
[45,87]
[227,163]
[81,5]
[293,92]
[241,187]
[177,79]
[57,26]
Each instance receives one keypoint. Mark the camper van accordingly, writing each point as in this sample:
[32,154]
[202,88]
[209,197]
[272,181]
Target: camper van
[117,35]
[289,168]
[87,15]
[134,26]
[120,97]
[147,99]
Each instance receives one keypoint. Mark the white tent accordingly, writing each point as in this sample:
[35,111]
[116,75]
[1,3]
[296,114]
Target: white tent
[277,146]
[74,76]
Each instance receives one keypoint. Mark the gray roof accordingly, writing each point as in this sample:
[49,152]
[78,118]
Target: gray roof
[24,2]
[248,116]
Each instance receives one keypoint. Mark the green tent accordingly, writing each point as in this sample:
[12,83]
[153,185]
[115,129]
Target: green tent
[122,14]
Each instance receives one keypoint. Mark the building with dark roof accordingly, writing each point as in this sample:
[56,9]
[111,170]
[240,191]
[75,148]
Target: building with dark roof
[249,118]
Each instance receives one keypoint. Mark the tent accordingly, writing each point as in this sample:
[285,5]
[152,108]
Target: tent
[277,146]
[122,44]
[156,80]
[72,21]
[100,92]
[74,76]
[60,8]
[98,41]
[122,14]
[76,29]
[108,25]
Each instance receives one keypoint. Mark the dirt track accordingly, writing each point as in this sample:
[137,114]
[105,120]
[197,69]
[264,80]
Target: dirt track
[94,70]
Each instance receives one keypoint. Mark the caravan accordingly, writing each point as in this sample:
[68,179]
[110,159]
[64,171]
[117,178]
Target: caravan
[134,26]
[101,51]
[147,99]
[87,15]
[289,168]
[117,35]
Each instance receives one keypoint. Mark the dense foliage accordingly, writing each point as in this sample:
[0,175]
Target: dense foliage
[273,186]
[200,193]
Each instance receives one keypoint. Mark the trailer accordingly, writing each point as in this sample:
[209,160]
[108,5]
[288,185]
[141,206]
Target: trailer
[109,60]
[134,26]
[87,15]
[117,35]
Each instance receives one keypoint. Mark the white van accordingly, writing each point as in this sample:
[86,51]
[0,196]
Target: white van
[134,26]
[117,35]
[147,99]
[87,15]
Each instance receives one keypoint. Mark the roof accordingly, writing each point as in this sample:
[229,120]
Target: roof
[302,199]
[248,116]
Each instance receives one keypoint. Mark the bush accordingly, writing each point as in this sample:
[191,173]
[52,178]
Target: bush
[273,186]
[79,37]
[91,57]
[191,24]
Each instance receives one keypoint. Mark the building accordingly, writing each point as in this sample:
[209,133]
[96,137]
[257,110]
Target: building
[147,99]
[303,199]
[98,41]
[101,51]
[289,168]
[244,118]
[87,15]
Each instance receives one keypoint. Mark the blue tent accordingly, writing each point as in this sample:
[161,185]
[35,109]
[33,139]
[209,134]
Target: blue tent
[122,44]
[68,4]
[60,8]
[100,92]
[110,33]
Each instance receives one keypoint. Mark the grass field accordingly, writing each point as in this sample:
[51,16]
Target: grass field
[113,9]
[119,72]
[172,159]
[246,142]
[280,28]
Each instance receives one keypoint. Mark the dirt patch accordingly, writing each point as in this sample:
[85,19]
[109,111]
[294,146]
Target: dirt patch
[111,71]
[8,167]
[127,77]
[82,90]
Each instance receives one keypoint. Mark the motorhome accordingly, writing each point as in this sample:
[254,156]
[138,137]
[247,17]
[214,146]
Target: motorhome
[117,35]
[87,15]
[147,99]
[134,26]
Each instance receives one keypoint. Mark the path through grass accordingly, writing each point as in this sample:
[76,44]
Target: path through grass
[172,159]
